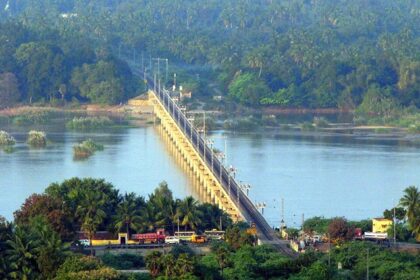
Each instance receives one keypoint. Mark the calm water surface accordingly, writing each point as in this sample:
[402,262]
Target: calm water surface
[315,175]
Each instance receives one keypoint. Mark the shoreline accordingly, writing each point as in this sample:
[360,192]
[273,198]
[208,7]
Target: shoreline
[139,116]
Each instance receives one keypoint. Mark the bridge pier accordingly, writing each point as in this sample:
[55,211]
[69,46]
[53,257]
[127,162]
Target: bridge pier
[209,188]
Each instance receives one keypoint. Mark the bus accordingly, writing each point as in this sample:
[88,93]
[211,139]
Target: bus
[184,235]
[215,234]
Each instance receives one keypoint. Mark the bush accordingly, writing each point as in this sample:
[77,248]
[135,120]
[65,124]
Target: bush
[86,149]
[123,261]
[6,139]
[89,123]
[37,139]
[177,250]
[321,122]
[307,126]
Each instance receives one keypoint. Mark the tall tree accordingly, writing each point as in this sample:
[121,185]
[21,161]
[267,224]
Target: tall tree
[411,202]
[91,212]
[128,213]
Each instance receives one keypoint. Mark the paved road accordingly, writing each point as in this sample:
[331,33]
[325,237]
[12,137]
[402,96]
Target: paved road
[265,233]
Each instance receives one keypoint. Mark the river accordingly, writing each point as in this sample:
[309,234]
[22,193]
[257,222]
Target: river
[315,174]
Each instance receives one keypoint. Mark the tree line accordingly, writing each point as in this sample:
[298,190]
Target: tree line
[44,67]
[36,245]
[295,53]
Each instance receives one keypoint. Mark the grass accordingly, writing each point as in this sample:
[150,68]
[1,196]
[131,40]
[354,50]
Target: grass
[33,117]
[37,139]
[86,149]
[89,123]
[6,139]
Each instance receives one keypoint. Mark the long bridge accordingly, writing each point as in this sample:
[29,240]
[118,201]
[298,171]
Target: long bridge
[214,178]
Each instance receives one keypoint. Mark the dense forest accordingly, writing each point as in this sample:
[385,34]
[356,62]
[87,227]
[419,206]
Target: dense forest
[297,53]
[44,66]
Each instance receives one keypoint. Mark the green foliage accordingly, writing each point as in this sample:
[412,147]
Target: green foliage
[411,203]
[87,268]
[99,82]
[316,224]
[6,139]
[179,249]
[34,250]
[123,261]
[9,90]
[85,123]
[33,117]
[247,89]
[37,139]
[236,237]
[86,149]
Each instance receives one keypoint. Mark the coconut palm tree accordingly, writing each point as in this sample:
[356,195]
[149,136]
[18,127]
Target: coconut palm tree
[184,265]
[91,213]
[128,213]
[22,257]
[154,263]
[411,202]
[188,213]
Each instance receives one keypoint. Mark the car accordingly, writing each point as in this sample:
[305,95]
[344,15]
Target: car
[172,240]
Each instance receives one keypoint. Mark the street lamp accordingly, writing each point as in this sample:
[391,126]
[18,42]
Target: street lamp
[261,206]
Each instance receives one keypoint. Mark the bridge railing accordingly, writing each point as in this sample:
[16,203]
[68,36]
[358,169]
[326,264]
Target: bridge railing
[229,184]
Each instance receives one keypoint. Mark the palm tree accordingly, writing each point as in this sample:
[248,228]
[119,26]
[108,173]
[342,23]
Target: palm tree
[22,258]
[128,213]
[154,263]
[188,213]
[411,202]
[91,213]
[184,265]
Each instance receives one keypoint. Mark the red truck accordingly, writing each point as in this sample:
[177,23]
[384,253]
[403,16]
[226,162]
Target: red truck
[142,238]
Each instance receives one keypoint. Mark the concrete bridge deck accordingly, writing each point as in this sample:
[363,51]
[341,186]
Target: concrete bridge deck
[226,191]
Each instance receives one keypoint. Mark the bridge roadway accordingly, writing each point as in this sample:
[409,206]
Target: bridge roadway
[265,233]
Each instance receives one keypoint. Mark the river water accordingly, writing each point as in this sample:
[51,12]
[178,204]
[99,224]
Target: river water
[315,175]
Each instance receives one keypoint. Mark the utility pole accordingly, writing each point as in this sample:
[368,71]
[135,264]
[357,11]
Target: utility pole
[282,217]
[303,219]
[394,222]
[178,225]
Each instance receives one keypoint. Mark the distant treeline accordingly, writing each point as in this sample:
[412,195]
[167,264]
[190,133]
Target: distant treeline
[43,66]
[297,53]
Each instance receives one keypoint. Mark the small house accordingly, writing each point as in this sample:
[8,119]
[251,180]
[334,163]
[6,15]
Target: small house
[381,225]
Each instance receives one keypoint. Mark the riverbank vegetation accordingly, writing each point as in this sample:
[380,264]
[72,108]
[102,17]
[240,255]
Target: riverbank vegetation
[37,139]
[36,244]
[86,123]
[86,149]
